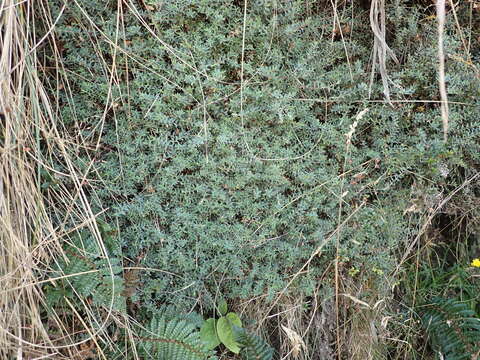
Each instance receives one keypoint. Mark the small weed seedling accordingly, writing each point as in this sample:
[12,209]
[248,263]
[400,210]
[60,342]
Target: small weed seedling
[222,331]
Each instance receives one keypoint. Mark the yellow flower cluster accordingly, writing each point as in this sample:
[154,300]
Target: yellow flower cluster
[475,263]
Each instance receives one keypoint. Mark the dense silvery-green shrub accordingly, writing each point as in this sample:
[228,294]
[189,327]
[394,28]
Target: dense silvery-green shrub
[237,202]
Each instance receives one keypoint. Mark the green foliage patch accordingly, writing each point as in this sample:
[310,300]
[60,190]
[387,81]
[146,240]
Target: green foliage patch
[453,327]
[87,274]
[171,339]
[234,193]
[240,202]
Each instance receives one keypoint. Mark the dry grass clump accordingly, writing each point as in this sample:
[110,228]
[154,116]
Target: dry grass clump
[26,234]
[299,328]
[365,333]
[31,144]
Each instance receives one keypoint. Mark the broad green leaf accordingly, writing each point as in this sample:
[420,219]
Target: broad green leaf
[222,307]
[225,334]
[208,334]
[234,319]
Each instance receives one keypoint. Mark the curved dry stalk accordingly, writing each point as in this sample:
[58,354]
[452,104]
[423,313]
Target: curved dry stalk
[29,239]
[380,47]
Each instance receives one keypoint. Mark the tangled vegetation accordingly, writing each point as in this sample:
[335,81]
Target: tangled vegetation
[258,152]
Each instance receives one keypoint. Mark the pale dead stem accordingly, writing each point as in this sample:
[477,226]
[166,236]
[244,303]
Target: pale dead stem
[349,136]
[380,47]
[338,25]
[365,101]
[441,67]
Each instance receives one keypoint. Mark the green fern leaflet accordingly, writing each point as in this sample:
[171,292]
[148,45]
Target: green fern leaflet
[453,329]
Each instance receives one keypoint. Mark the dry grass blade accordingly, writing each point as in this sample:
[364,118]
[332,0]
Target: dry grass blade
[23,222]
[380,47]
[29,240]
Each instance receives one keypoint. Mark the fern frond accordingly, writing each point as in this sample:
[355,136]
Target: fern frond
[453,328]
[92,273]
[172,339]
[253,347]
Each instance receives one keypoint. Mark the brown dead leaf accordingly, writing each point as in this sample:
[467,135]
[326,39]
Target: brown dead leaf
[357,178]
[132,279]
[340,31]
[296,341]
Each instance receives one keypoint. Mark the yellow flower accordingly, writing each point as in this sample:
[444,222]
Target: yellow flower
[475,262]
